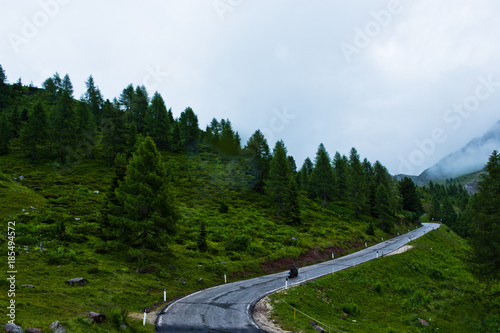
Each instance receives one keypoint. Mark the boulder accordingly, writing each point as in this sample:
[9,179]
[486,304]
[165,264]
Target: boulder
[57,327]
[97,317]
[79,281]
[11,328]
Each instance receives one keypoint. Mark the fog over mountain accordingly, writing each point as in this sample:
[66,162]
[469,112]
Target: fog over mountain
[472,157]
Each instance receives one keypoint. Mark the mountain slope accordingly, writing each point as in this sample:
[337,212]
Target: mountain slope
[470,158]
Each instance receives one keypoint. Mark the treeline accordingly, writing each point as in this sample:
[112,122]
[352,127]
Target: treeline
[447,203]
[59,128]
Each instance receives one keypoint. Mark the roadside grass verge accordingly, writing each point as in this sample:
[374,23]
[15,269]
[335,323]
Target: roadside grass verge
[393,294]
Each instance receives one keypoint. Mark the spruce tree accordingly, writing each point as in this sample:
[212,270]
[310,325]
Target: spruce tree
[188,127]
[149,214]
[304,177]
[356,184]
[94,100]
[292,204]
[341,165]
[64,124]
[157,123]
[410,200]
[278,175]
[435,208]
[383,208]
[35,132]
[322,178]
[484,223]
[5,134]
[260,158]
[448,213]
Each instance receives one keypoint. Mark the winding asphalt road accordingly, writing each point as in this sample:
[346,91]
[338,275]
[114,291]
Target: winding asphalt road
[228,308]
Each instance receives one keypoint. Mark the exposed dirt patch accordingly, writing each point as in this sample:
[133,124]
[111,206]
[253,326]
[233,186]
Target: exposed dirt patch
[152,313]
[262,316]
[311,257]
[401,250]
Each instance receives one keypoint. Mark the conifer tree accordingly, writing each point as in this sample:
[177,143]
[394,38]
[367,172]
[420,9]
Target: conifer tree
[410,200]
[126,97]
[292,204]
[149,215]
[15,122]
[260,158]
[139,107]
[322,178]
[484,222]
[448,213]
[118,133]
[64,122]
[188,128]
[94,100]
[35,132]
[278,175]
[435,209]
[383,208]
[341,165]
[5,134]
[157,124]
[356,183]
[305,174]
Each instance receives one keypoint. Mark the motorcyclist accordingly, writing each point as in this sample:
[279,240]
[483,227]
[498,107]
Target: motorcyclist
[293,271]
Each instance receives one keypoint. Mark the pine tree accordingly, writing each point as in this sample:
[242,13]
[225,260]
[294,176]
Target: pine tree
[202,238]
[188,127]
[4,89]
[35,132]
[118,133]
[448,213]
[260,158]
[383,208]
[5,134]
[126,98]
[356,183]
[305,175]
[292,204]
[341,165]
[139,107]
[322,178]
[149,215]
[278,175]
[64,124]
[435,209]
[157,124]
[94,99]
[409,198]
[484,223]
[15,123]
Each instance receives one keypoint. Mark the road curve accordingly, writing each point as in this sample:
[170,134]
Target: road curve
[228,308]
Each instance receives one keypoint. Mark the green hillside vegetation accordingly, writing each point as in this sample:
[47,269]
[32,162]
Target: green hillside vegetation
[131,198]
[430,282]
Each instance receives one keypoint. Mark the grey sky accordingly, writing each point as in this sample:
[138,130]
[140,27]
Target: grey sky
[381,76]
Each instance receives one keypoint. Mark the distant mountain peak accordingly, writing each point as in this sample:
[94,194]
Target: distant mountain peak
[472,157]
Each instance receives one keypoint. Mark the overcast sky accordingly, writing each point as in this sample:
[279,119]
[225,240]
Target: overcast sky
[406,83]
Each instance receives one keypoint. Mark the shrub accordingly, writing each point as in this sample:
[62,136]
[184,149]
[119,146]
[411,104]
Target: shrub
[371,230]
[223,208]
[239,243]
[351,309]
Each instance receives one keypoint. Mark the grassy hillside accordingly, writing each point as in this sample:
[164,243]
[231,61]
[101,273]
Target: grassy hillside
[429,282]
[247,241]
